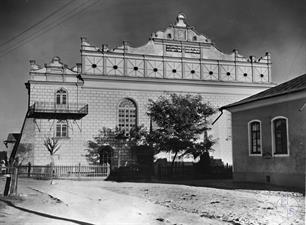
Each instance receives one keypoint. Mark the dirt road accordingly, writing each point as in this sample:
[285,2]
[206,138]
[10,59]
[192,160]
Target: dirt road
[101,202]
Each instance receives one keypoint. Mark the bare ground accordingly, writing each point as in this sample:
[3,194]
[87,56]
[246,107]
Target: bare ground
[103,202]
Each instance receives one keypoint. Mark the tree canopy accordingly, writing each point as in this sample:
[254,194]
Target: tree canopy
[139,143]
[100,148]
[23,153]
[180,120]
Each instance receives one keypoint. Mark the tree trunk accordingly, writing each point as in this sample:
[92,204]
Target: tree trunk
[172,164]
[52,168]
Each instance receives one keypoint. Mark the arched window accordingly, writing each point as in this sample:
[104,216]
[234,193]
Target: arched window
[255,141]
[127,115]
[61,129]
[280,142]
[61,97]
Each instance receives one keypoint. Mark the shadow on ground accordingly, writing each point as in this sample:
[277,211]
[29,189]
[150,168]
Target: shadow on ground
[229,184]
[7,201]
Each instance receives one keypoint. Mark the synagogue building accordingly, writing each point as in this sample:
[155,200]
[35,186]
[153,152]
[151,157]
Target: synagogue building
[111,88]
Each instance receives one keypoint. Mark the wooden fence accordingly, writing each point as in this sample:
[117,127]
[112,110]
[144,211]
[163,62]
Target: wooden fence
[131,172]
[182,171]
[178,171]
[77,171]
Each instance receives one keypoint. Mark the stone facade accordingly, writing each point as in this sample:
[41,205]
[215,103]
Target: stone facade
[177,60]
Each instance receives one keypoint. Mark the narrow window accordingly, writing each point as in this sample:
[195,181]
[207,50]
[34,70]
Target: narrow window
[61,97]
[255,137]
[58,99]
[127,115]
[61,129]
[279,136]
[64,97]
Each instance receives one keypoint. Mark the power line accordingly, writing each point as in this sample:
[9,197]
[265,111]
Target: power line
[62,17]
[36,24]
[51,26]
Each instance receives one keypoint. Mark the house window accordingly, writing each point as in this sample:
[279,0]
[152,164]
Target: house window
[61,97]
[255,137]
[280,136]
[61,129]
[127,115]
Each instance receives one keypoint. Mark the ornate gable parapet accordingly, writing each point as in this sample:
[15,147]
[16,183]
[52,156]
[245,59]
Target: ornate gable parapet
[53,71]
[85,46]
[179,52]
[180,31]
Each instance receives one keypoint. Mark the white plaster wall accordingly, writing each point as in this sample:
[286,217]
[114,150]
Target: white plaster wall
[103,108]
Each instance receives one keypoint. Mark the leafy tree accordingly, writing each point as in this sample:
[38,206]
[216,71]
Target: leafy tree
[139,143]
[138,136]
[100,148]
[23,153]
[181,120]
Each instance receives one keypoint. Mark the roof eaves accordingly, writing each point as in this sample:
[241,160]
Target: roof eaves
[242,102]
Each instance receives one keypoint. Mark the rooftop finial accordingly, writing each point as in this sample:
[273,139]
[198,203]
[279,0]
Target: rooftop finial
[180,20]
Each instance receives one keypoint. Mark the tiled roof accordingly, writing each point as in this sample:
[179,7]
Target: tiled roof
[294,85]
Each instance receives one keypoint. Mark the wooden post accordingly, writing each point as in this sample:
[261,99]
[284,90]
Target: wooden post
[14,179]
[7,186]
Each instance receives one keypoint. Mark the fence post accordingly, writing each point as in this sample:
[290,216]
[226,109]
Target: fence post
[108,169]
[29,169]
[79,170]
[119,157]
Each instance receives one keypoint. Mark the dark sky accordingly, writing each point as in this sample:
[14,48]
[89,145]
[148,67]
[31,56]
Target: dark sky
[41,29]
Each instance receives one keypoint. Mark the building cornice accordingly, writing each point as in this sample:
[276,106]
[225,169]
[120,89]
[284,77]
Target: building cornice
[127,79]
[55,83]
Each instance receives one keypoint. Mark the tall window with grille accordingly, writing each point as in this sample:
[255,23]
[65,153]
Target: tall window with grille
[280,136]
[61,129]
[61,98]
[255,138]
[127,115]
